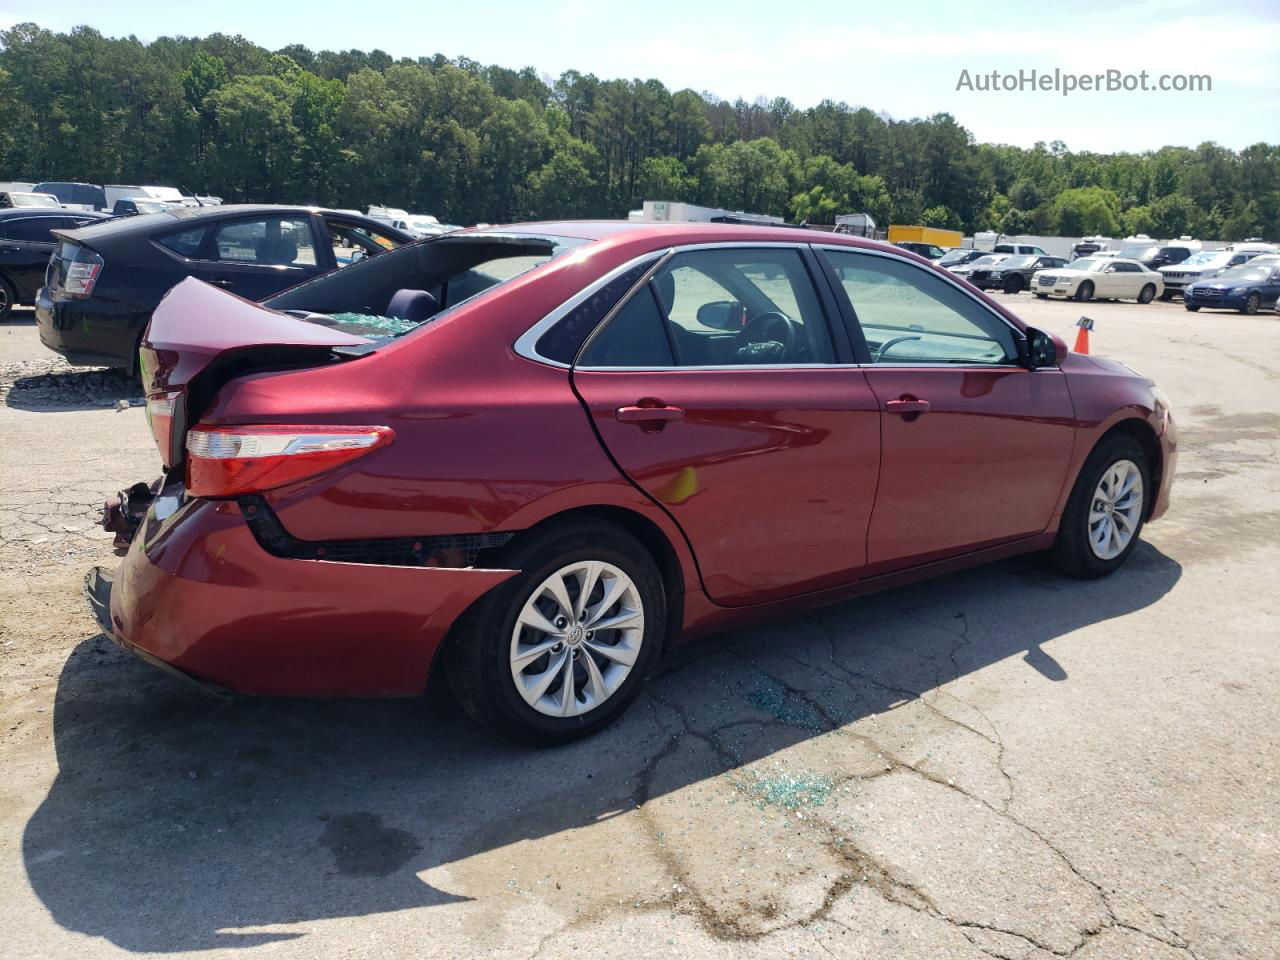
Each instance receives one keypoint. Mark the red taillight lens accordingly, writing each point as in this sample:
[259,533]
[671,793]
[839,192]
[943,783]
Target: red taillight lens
[82,276]
[233,461]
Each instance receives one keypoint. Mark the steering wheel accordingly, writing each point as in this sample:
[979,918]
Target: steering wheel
[886,347]
[768,337]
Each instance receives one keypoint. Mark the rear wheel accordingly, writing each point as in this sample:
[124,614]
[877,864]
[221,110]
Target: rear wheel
[559,651]
[8,297]
[1147,294]
[1013,284]
[1251,303]
[1084,291]
[1105,512]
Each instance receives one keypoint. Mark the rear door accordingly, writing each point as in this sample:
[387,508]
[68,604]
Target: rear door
[974,446]
[719,391]
[260,255]
[25,249]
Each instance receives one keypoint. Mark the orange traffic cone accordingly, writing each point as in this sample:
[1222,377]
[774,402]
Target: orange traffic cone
[1082,338]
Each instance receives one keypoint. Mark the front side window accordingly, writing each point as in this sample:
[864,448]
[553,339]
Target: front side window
[737,306]
[271,242]
[909,315]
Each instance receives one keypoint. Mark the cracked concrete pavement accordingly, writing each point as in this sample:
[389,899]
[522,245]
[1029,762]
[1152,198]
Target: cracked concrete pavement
[999,763]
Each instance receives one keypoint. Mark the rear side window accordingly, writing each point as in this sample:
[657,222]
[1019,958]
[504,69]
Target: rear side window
[186,243]
[562,341]
[33,229]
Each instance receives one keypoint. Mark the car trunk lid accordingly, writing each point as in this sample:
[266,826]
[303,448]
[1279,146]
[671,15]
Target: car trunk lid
[201,337]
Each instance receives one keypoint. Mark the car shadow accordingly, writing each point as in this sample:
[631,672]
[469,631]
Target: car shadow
[180,823]
[60,391]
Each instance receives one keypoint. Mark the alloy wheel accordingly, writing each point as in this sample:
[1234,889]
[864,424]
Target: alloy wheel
[1115,509]
[577,638]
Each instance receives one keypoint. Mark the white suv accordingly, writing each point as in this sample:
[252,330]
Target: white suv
[1200,266]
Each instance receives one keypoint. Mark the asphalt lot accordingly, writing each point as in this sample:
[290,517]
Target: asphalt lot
[998,763]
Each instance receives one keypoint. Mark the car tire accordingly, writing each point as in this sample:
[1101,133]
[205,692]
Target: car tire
[1075,550]
[484,646]
[1147,293]
[1252,303]
[1084,292]
[1166,296]
[8,298]
[1191,307]
[1042,296]
[1013,284]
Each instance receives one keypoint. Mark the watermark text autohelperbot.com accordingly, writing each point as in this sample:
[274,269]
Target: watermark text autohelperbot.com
[1064,83]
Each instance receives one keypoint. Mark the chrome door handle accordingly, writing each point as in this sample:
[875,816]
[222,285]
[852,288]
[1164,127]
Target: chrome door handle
[907,406]
[640,413]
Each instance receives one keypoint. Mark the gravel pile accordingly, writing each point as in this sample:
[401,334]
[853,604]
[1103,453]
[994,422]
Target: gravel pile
[38,384]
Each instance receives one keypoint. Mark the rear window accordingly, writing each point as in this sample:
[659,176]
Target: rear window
[451,270]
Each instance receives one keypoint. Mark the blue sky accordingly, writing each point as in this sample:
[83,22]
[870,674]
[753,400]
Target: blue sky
[904,58]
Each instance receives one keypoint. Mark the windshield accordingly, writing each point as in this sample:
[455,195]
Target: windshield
[988,260]
[1145,252]
[1084,263]
[1206,258]
[433,276]
[34,200]
[955,256]
[1014,263]
[1248,274]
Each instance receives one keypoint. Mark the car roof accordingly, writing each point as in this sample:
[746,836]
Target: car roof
[177,217]
[22,213]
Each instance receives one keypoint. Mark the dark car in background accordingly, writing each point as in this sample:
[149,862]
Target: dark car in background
[104,280]
[132,206]
[1247,289]
[1013,274]
[930,251]
[958,257]
[26,243]
[1153,256]
[85,196]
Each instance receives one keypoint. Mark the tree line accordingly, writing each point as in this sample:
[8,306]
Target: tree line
[471,142]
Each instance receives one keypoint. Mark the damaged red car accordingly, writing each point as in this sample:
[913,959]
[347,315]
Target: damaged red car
[535,456]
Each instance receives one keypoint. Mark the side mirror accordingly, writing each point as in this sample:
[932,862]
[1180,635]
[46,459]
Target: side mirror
[357,255]
[720,315]
[1044,349]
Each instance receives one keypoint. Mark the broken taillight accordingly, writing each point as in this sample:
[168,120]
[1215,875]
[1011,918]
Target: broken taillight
[160,411]
[230,461]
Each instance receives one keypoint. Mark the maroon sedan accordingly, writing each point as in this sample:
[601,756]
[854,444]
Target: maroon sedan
[537,455]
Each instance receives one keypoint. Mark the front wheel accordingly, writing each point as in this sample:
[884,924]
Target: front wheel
[559,651]
[1013,284]
[1148,293]
[1191,307]
[1167,295]
[1084,291]
[1251,303]
[1106,509]
[1042,296]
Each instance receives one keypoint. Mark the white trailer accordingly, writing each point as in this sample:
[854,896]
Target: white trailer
[667,211]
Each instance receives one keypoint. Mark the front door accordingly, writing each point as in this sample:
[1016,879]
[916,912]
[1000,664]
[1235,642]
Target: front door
[715,389]
[974,446]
